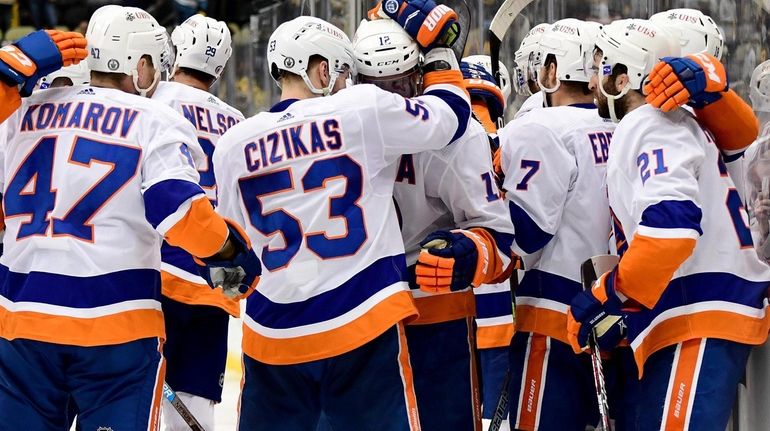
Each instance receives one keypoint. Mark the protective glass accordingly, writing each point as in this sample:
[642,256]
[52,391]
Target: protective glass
[757,195]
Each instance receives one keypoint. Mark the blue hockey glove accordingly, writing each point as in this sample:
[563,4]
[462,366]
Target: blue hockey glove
[429,24]
[482,84]
[238,276]
[452,261]
[598,309]
[698,80]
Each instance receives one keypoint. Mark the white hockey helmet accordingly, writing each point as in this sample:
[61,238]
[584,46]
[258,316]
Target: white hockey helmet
[696,31]
[486,62]
[77,73]
[571,41]
[119,36]
[293,43]
[525,56]
[759,87]
[202,44]
[637,44]
[382,48]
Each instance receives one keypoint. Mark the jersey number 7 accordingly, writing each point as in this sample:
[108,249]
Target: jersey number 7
[279,221]
[30,192]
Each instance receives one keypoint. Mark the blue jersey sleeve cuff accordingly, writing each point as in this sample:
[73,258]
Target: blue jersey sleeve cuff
[673,215]
[164,198]
[528,235]
[459,106]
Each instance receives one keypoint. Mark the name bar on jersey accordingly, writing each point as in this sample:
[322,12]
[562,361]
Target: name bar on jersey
[293,142]
[201,119]
[96,117]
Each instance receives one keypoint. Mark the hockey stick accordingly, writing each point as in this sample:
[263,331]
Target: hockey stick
[504,399]
[503,19]
[182,409]
[589,271]
[463,12]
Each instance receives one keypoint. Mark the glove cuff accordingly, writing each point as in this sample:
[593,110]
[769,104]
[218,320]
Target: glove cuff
[239,240]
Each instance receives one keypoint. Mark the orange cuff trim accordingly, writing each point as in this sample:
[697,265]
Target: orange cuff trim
[201,232]
[426,36]
[287,351]
[99,331]
[731,120]
[490,337]
[648,265]
[451,77]
[190,293]
[444,307]
[481,111]
[17,60]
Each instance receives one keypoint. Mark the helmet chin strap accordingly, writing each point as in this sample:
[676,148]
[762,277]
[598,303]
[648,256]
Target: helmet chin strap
[322,91]
[143,91]
[612,98]
[546,90]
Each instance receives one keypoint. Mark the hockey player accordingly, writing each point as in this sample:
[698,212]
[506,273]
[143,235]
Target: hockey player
[689,285]
[92,176]
[313,180]
[196,317]
[554,160]
[442,194]
[494,311]
[525,70]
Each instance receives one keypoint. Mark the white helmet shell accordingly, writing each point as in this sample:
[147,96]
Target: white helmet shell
[696,31]
[486,62]
[77,73]
[293,43]
[759,88]
[636,43]
[524,56]
[118,37]
[571,42]
[382,48]
[202,44]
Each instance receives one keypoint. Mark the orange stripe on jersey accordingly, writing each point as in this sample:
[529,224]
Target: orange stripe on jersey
[407,378]
[201,232]
[451,77]
[11,100]
[542,321]
[444,307]
[157,398]
[489,337]
[704,324]
[681,387]
[187,292]
[116,328]
[532,383]
[648,265]
[731,120]
[286,351]
[481,110]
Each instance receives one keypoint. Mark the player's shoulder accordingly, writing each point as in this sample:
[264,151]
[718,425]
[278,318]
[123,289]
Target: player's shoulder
[649,121]
[470,146]
[174,93]
[359,95]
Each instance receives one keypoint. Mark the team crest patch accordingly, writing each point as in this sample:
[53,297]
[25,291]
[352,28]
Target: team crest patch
[113,64]
[288,62]
[607,70]
[391,6]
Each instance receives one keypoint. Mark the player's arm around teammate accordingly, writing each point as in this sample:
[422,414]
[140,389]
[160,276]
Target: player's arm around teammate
[689,265]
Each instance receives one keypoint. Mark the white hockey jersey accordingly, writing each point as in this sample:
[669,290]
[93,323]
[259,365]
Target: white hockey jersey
[532,103]
[554,160]
[211,118]
[312,182]
[690,263]
[91,176]
[447,189]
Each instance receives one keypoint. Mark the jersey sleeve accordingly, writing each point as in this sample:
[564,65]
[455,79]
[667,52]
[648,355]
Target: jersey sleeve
[539,172]
[662,174]
[427,122]
[467,187]
[228,193]
[11,100]
[731,120]
[175,204]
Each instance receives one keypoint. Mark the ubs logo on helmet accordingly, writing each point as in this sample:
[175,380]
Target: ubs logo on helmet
[641,29]
[391,6]
[564,29]
[683,17]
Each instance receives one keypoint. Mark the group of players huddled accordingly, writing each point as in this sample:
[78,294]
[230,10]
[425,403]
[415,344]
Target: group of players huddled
[372,221]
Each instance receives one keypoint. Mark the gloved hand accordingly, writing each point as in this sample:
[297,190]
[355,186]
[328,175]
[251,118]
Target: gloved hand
[237,276]
[451,261]
[37,54]
[482,84]
[429,24]
[697,80]
[598,309]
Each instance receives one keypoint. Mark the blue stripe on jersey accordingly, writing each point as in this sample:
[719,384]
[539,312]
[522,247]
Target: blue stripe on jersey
[460,107]
[330,304]
[503,240]
[540,284]
[529,237]
[702,287]
[176,256]
[495,304]
[164,198]
[80,292]
[673,215]
[729,158]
